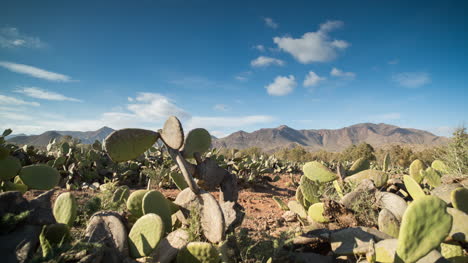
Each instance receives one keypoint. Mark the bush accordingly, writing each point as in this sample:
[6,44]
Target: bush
[455,154]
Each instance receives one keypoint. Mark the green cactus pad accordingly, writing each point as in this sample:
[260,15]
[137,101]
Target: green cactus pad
[56,233]
[359,165]
[300,198]
[297,208]
[338,188]
[316,171]
[366,174]
[9,168]
[310,190]
[9,186]
[135,203]
[172,133]
[453,252]
[459,198]
[198,252]
[128,144]
[198,140]
[155,202]
[280,203]
[121,194]
[380,180]
[415,170]
[179,180]
[414,189]
[431,177]
[65,209]
[439,166]
[424,226]
[145,235]
[315,212]
[386,163]
[388,223]
[4,152]
[39,176]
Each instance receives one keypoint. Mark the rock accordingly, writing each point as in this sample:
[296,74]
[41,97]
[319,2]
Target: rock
[289,216]
[364,187]
[386,249]
[229,190]
[12,202]
[459,231]
[444,191]
[392,202]
[388,223]
[210,174]
[20,245]
[312,258]
[107,227]
[353,240]
[233,214]
[41,209]
[167,249]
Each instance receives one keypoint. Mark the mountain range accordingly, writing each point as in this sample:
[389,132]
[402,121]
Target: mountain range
[271,139]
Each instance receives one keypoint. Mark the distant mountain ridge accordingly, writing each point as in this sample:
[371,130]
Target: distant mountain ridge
[327,139]
[270,139]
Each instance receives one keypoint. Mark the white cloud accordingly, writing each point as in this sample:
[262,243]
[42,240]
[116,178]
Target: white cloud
[227,122]
[339,73]
[10,37]
[7,100]
[34,72]
[270,23]
[312,79]
[44,94]
[412,79]
[263,61]
[218,134]
[220,107]
[155,107]
[281,85]
[394,62]
[260,48]
[244,76]
[314,46]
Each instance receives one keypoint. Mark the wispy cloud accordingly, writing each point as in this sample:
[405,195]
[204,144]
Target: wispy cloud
[34,72]
[412,79]
[263,61]
[220,107]
[260,48]
[340,73]
[270,23]
[227,122]
[7,100]
[393,62]
[10,37]
[44,94]
[243,76]
[314,46]
[312,79]
[155,107]
[282,85]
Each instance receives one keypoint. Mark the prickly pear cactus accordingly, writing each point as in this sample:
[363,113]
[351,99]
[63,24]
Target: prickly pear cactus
[300,197]
[198,252]
[65,209]
[280,203]
[39,176]
[172,133]
[9,168]
[178,180]
[57,233]
[362,175]
[121,194]
[380,180]
[439,166]
[415,168]
[386,163]
[316,171]
[9,186]
[198,140]
[145,235]
[413,187]
[424,226]
[135,201]
[128,144]
[459,198]
[297,208]
[453,252]
[431,177]
[155,202]
[359,165]
[310,190]
[315,212]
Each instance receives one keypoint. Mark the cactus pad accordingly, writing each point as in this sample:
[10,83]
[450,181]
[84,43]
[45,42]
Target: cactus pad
[424,226]
[9,168]
[297,208]
[316,171]
[56,233]
[388,223]
[39,176]
[198,252]
[366,174]
[459,198]
[415,168]
[315,212]
[439,166]
[135,201]
[179,180]
[172,133]
[9,186]
[359,165]
[414,189]
[280,203]
[121,194]
[145,235]
[198,140]
[310,190]
[300,198]
[128,144]
[386,163]
[155,202]
[65,209]
[431,177]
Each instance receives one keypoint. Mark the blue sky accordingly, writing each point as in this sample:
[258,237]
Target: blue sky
[228,66]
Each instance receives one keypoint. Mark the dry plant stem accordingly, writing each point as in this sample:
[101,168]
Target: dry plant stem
[177,158]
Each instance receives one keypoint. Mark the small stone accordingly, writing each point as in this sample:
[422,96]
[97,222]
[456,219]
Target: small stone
[289,216]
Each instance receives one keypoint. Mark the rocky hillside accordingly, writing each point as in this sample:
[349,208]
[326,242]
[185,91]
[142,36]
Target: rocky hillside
[43,139]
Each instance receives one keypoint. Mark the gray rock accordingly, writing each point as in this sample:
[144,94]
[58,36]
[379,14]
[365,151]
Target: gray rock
[459,231]
[167,249]
[233,214]
[12,202]
[388,223]
[41,209]
[364,187]
[20,245]
[392,202]
[444,191]
[107,227]
[210,174]
[353,240]
[312,258]
[289,216]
